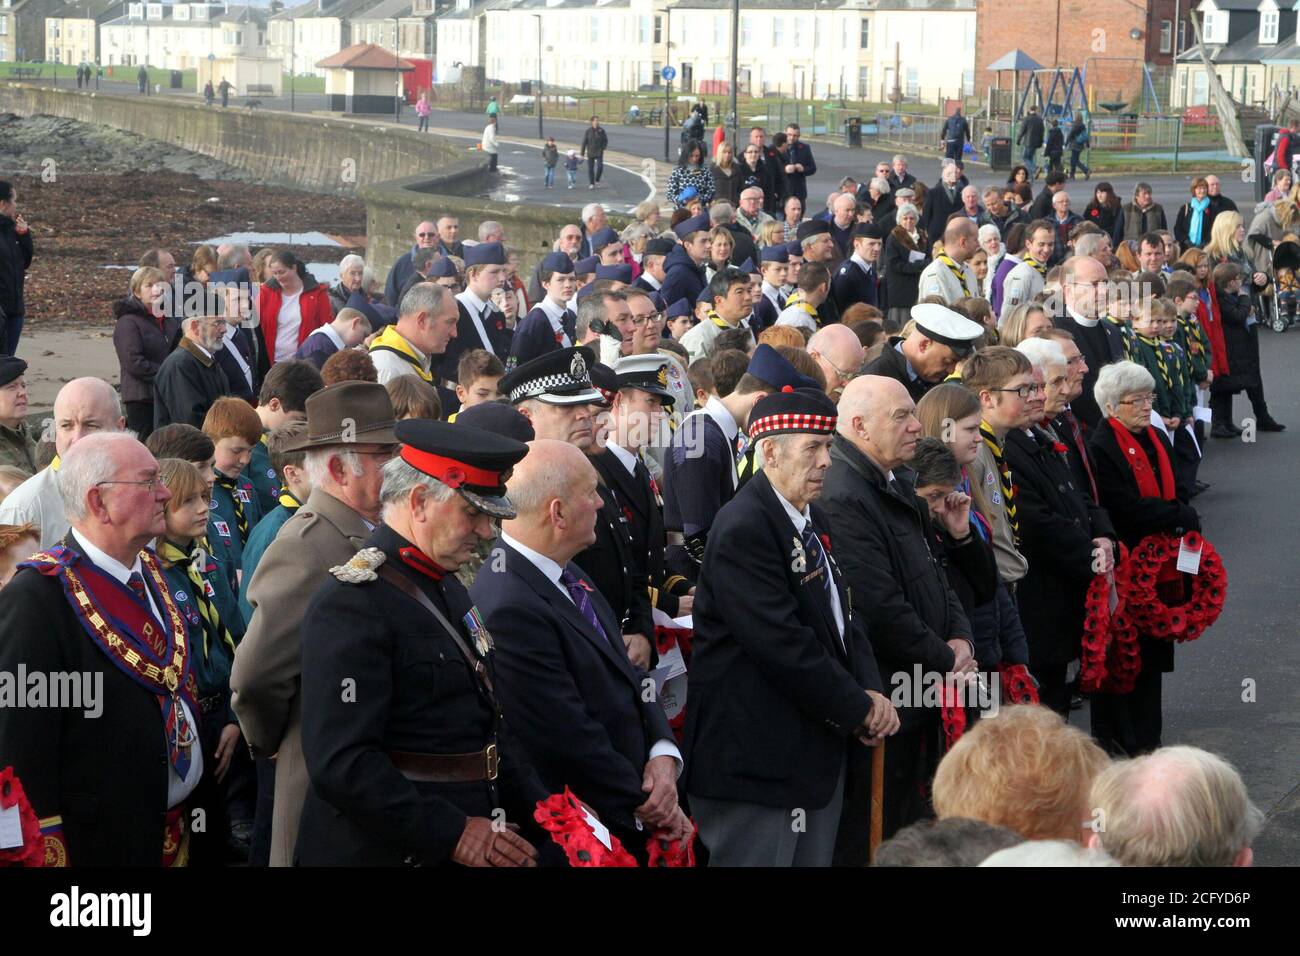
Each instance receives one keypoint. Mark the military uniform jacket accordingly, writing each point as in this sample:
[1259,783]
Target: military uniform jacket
[775,695]
[535,336]
[576,702]
[106,777]
[610,565]
[415,693]
[699,478]
[638,498]
[852,283]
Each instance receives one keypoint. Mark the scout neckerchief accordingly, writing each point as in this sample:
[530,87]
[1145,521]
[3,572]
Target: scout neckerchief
[1158,348]
[241,519]
[796,300]
[123,627]
[958,272]
[197,566]
[720,322]
[289,501]
[1039,267]
[1008,489]
[390,340]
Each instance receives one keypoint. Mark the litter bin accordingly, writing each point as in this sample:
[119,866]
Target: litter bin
[1000,153]
[178,79]
[853,131]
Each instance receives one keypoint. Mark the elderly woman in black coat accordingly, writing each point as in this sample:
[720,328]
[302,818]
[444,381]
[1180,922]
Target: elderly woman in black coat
[907,253]
[1064,537]
[1137,486]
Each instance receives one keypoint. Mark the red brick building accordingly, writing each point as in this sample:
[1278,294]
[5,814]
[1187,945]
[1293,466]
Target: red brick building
[1109,39]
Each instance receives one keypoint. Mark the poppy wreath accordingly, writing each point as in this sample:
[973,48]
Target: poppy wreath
[666,638]
[1097,627]
[562,816]
[1148,574]
[31,852]
[1017,686]
[953,713]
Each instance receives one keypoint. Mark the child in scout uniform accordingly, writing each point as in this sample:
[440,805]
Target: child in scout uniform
[234,429]
[213,624]
[1151,345]
[295,486]
[283,397]
[1183,292]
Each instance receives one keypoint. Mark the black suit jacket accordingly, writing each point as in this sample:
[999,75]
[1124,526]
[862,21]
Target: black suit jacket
[467,339]
[1085,406]
[610,565]
[107,776]
[575,700]
[891,363]
[774,694]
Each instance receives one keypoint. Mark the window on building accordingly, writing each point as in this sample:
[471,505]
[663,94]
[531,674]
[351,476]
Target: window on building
[778,32]
[864,34]
[817,34]
[643,29]
[746,32]
[719,31]
[659,30]
[1268,22]
[595,30]
[864,81]
[797,23]
[1166,36]
[968,82]
[913,82]
[719,71]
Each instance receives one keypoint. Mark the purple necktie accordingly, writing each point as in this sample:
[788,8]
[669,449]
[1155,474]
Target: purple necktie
[579,592]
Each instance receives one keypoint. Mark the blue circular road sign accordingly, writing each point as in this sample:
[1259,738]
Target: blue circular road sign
[669,73]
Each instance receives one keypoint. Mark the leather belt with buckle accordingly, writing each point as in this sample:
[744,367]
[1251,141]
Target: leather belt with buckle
[447,768]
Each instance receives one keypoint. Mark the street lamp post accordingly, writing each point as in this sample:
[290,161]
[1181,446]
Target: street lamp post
[538,18]
[735,65]
[397,71]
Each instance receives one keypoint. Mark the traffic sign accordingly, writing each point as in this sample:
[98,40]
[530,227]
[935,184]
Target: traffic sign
[669,73]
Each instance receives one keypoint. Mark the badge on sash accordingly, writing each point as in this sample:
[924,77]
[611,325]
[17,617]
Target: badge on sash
[798,558]
[223,529]
[478,631]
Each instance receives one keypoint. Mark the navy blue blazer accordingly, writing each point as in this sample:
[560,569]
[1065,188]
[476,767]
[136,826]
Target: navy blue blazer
[774,696]
[850,285]
[535,336]
[467,339]
[573,698]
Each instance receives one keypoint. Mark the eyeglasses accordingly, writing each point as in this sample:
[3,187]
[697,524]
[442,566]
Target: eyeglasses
[151,484]
[654,318]
[844,376]
[1142,401]
[1024,391]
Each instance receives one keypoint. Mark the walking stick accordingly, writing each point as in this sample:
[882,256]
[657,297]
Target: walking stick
[877,799]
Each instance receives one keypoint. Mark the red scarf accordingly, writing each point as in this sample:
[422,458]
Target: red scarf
[1141,466]
[1209,318]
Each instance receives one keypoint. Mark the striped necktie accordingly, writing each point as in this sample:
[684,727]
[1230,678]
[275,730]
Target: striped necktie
[1008,489]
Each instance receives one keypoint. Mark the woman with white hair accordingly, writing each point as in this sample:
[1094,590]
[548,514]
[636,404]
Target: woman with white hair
[352,272]
[990,239]
[907,253]
[1061,532]
[1137,487]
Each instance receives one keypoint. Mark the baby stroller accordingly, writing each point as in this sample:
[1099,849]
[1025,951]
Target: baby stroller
[1281,305]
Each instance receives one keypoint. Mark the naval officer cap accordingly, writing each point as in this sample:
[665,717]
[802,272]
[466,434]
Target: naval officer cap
[561,377]
[941,324]
[870,230]
[602,238]
[474,462]
[793,411]
[649,373]
[557,263]
[485,254]
[775,253]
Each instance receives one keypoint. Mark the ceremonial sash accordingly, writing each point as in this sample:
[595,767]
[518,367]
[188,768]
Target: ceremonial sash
[157,658]
[390,340]
[956,270]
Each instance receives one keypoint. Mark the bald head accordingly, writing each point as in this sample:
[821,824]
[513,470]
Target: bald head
[879,417]
[961,239]
[838,350]
[554,492]
[84,407]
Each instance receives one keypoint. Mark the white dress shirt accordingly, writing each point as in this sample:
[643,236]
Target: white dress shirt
[177,789]
[233,349]
[476,308]
[625,458]
[555,312]
[552,571]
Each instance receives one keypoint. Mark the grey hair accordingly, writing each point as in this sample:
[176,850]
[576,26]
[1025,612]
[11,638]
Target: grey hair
[1117,380]
[1042,352]
[990,191]
[722,213]
[988,229]
[487,227]
[899,158]
[350,260]
[777,443]
[317,463]
[908,209]
[422,297]
[1049,853]
[1089,243]
[636,231]
[590,210]
[232,257]
[368,280]
[401,478]
[1178,806]
[84,465]
[879,185]
[590,309]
